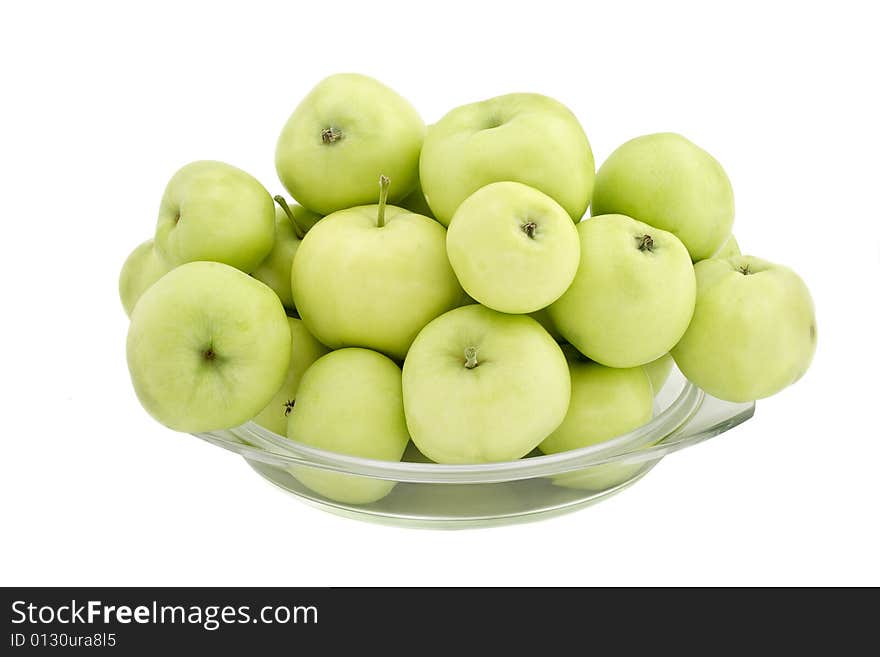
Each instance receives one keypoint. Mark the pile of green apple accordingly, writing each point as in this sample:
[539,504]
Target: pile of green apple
[442,285]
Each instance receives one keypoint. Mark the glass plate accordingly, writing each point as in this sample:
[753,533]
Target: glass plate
[415,492]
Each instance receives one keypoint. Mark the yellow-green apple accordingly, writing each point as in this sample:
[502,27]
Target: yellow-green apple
[214,211]
[207,347]
[141,269]
[349,402]
[373,276]
[753,331]
[633,293]
[482,386]
[729,249]
[416,202]
[605,403]
[412,454]
[345,133]
[658,371]
[669,182]
[465,300]
[291,225]
[514,249]
[304,350]
[522,137]
[543,318]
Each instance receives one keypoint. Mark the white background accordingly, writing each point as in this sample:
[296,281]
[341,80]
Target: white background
[103,102]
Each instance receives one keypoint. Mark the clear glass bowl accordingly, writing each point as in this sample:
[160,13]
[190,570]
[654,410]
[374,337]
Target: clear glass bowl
[418,493]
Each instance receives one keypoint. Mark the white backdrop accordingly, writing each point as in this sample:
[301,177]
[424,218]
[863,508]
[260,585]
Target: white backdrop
[103,102]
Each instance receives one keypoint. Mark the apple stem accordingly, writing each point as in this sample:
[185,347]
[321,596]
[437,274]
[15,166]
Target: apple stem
[646,243]
[470,358]
[384,184]
[300,233]
[331,135]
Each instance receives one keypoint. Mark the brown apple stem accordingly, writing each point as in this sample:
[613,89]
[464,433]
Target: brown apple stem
[384,184]
[646,243]
[300,232]
[470,358]
[330,135]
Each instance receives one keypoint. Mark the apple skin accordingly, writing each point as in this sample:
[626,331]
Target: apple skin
[375,132]
[412,454]
[357,284]
[465,300]
[521,137]
[630,302]
[207,347]
[213,211]
[605,403]
[543,318]
[416,202]
[275,270]
[349,402]
[498,410]
[141,269]
[304,350]
[669,182]
[752,334]
[658,371]
[601,477]
[305,218]
[514,249]
[729,249]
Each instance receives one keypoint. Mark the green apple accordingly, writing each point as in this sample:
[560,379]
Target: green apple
[543,318]
[207,347]
[482,386]
[753,332]
[632,296]
[349,401]
[304,350]
[526,138]
[465,300]
[216,212]
[658,371]
[729,249]
[412,454]
[514,249]
[291,225]
[669,182]
[601,477]
[373,276]
[417,203]
[605,403]
[346,132]
[141,269]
